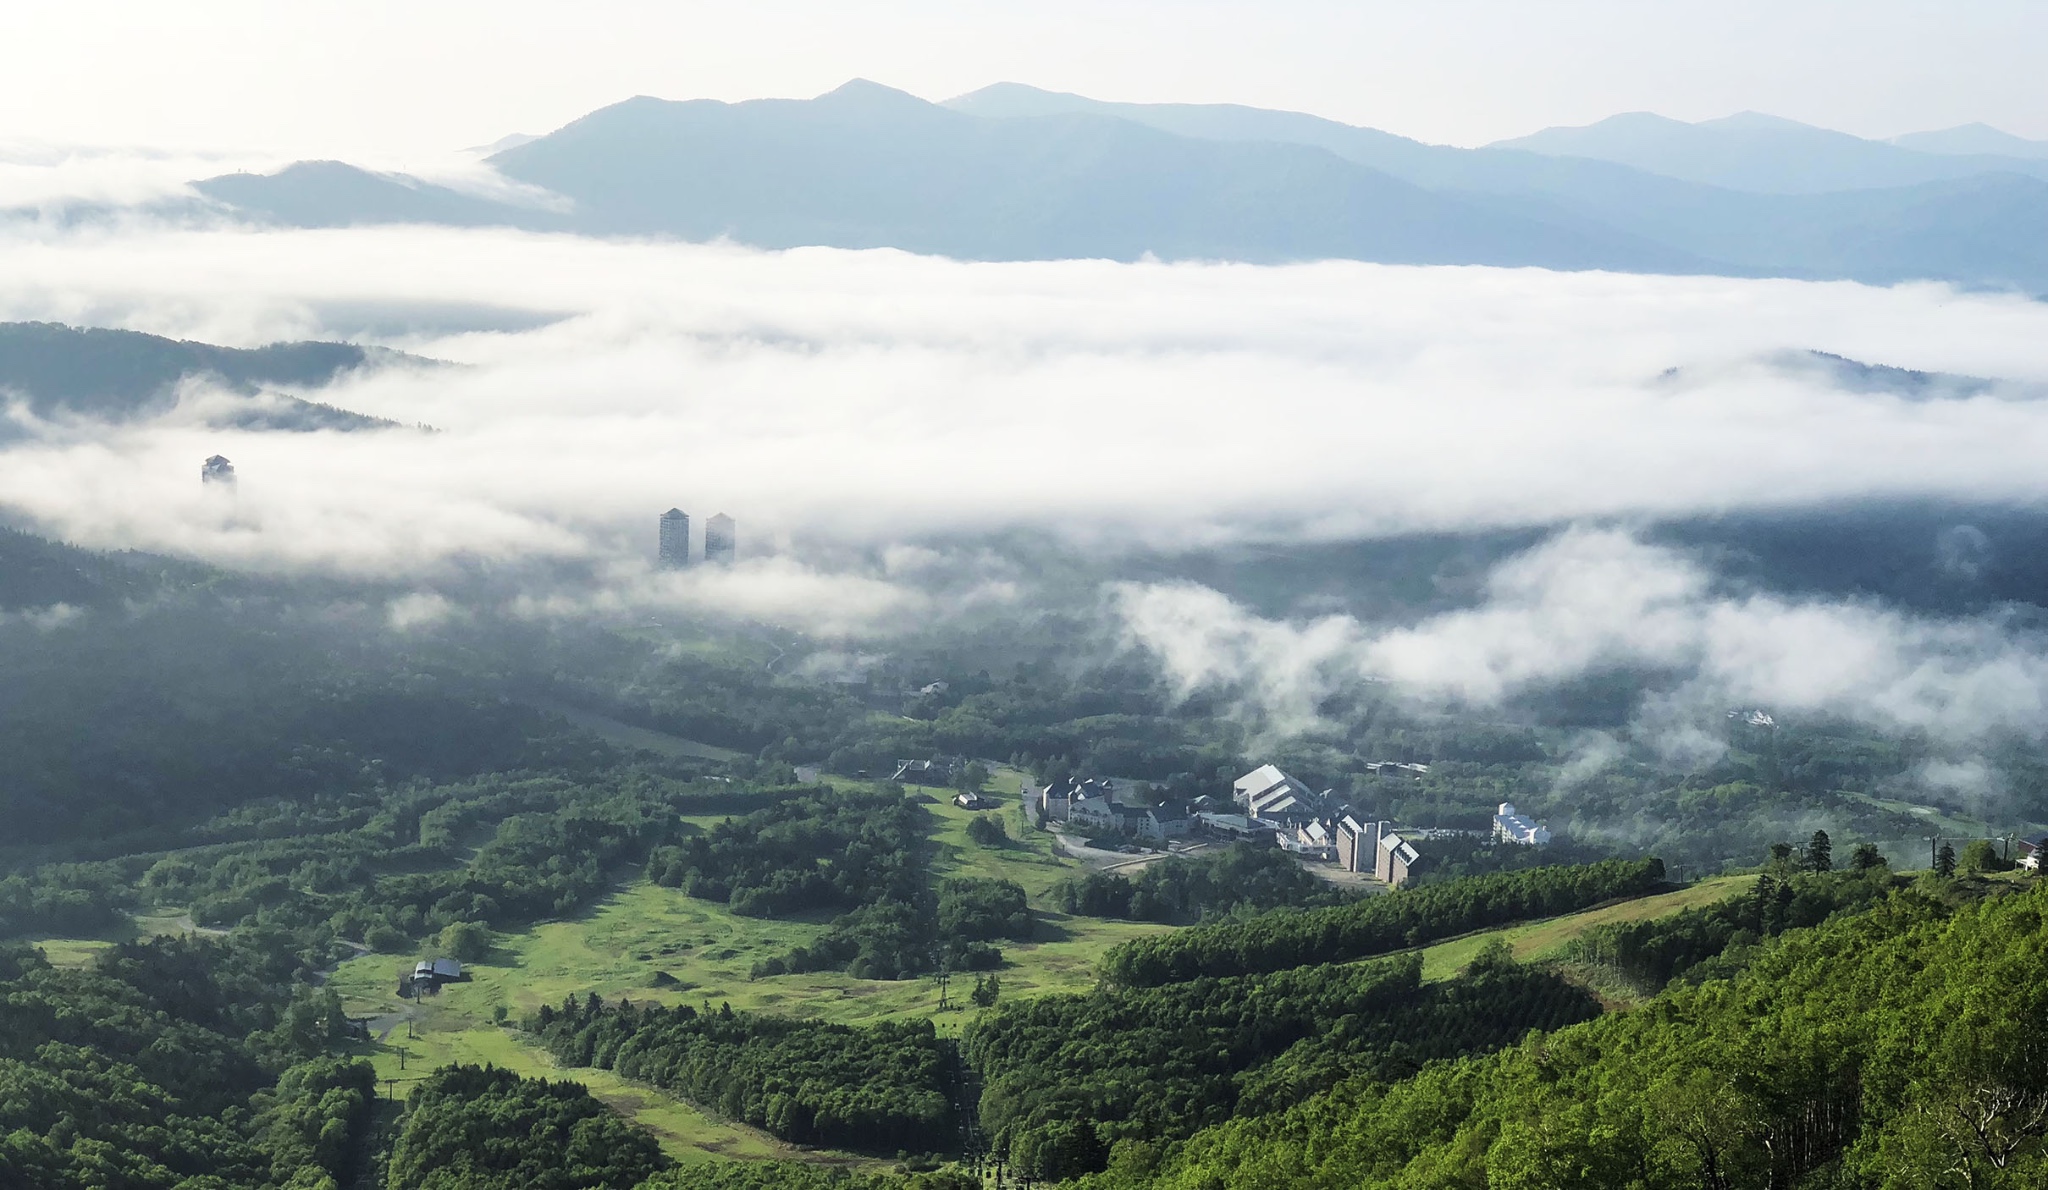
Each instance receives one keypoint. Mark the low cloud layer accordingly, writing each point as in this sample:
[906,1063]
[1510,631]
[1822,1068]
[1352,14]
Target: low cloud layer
[1591,600]
[864,399]
[877,395]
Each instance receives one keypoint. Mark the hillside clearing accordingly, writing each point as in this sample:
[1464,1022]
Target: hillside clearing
[1535,941]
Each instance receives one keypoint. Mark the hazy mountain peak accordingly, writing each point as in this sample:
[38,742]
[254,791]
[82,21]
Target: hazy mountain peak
[868,93]
[1008,100]
[1761,121]
[1761,153]
[1978,139]
[1618,122]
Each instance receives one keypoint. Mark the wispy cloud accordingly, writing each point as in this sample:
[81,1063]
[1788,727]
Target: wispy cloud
[1594,599]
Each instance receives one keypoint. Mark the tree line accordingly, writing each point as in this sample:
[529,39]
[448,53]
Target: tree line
[1376,925]
[877,1088]
[1183,889]
[866,852]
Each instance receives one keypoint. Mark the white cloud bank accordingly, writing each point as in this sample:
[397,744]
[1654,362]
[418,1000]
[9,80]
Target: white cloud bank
[869,398]
[874,396]
[1593,599]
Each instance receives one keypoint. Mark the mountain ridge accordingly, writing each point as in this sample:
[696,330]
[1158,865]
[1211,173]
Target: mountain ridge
[113,375]
[1011,172]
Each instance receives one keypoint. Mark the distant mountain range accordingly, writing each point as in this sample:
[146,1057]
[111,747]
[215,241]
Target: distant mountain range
[115,376]
[1768,155]
[1015,173]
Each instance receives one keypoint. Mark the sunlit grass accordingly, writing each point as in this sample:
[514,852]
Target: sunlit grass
[1546,939]
[653,944]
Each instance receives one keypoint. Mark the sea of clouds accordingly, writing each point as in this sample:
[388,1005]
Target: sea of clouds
[844,405]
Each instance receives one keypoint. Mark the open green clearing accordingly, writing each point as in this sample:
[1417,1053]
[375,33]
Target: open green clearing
[625,735]
[1539,940]
[705,952]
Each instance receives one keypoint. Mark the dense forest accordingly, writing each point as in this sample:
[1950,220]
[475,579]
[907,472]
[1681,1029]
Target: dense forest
[470,1128]
[167,1063]
[881,1088]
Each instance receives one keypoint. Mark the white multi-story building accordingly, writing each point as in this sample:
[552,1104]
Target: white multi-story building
[1510,827]
[1268,793]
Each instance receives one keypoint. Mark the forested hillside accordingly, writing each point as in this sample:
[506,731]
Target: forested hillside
[117,375]
[1068,1079]
[173,1062]
[1901,1046]
[670,954]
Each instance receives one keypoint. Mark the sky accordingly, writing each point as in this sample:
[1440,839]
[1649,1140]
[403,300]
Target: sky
[378,81]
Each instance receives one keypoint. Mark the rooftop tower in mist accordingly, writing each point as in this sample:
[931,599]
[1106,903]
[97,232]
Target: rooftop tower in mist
[217,470]
[675,539]
[720,539]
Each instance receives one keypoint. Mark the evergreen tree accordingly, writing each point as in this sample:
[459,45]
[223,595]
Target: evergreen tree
[986,990]
[1866,857]
[1820,852]
[1763,897]
[1945,861]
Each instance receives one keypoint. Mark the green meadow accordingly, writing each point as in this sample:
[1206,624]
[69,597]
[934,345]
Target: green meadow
[653,944]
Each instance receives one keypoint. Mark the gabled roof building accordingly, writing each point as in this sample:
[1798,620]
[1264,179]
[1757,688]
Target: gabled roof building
[1511,827]
[1396,861]
[1268,793]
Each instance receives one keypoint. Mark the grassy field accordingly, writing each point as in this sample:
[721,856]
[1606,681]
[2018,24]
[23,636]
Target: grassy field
[442,1032]
[77,952]
[706,953]
[1546,939]
[625,735]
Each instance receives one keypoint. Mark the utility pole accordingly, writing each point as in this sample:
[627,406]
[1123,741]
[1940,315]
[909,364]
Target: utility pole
[944,978]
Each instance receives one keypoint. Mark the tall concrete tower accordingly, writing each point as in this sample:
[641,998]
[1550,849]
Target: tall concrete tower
[675,539]
[720,539]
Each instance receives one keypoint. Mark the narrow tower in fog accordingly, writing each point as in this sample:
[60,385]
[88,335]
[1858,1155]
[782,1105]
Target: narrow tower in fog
[217,470]
[720,539]
[675,539]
